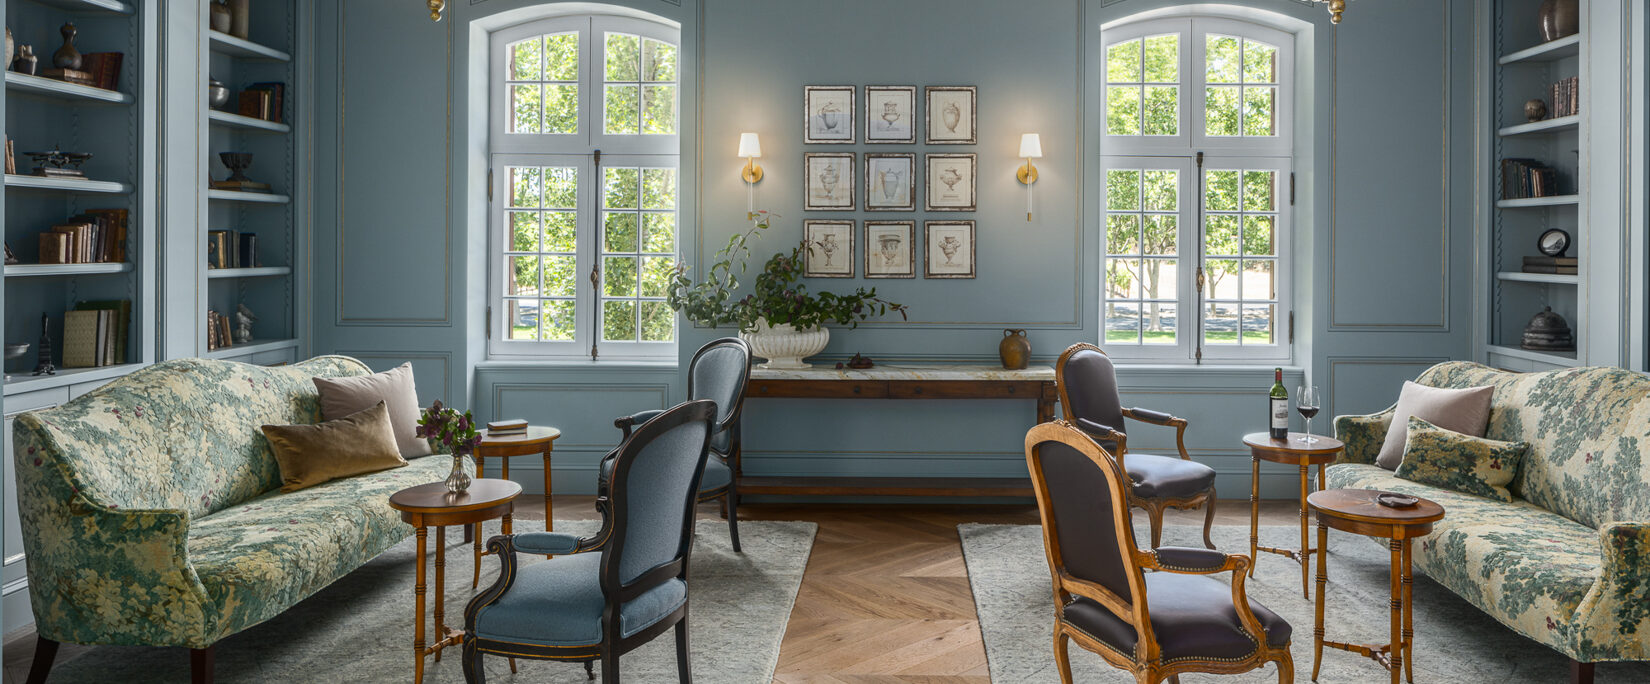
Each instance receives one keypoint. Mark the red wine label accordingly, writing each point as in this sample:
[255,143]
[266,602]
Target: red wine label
[1280,414]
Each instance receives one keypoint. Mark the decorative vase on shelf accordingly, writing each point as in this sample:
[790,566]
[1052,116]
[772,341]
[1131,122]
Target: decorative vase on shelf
[11,48]
[220,16]
[217,94]
[1015,349]
[458,481]
[784,346]
[1535,110]
[240,19]
[67,57]
[1559,18]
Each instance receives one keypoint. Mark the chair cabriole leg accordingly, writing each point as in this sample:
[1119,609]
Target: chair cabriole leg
[1209,519]
[45,652]
[200,665]
[684,671]
[1581,673]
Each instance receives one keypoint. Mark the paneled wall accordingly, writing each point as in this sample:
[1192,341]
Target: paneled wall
[1384,221]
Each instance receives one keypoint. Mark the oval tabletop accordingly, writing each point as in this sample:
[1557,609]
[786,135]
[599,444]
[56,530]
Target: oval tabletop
[1360,505]
[434,497]
[1293,446]
[535,433]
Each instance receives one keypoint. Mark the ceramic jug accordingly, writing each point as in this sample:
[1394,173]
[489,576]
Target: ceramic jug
[1015,349]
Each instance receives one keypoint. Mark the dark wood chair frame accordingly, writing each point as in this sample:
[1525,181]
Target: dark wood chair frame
[1153,506]
[1146,663]
[614,591]
[729,494]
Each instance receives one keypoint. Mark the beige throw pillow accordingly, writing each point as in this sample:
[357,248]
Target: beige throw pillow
[344,396]
[353,445]
[1466,411]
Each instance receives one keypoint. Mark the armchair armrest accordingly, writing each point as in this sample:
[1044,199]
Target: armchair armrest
[1363,436]
[547,543]
[630,421]
[1160,418]
[1192,561]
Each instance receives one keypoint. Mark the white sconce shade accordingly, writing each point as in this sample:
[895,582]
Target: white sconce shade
[750,146]
[1031,146]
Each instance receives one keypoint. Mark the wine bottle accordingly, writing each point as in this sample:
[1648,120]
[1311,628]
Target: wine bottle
[1279,400]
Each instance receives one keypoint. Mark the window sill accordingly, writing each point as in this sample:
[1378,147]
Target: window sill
[617,363]
[1126,366]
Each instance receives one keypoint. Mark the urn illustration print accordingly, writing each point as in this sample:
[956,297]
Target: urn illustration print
[828,179]
[949,177]
[953,116]
[830,116]
[949,246]
[890,114]
[890,183]
[888,247]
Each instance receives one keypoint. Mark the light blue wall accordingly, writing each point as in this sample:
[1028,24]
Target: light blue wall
[1384,231]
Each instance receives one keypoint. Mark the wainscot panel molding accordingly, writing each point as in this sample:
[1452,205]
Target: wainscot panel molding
[432,371]
[1360,386]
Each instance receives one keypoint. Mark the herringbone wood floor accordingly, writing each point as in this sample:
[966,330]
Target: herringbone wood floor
[885,599]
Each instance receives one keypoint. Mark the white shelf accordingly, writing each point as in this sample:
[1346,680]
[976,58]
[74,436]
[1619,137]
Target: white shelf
[46,270]
[109,6]
[253,347]
[1563,123]
[218,118]
[63,90]
[1548,278]
[14,180]
[239,196]
[259,272]
[21,381]
[1553,358]
[1550,201]
[1551,51]
[225,44]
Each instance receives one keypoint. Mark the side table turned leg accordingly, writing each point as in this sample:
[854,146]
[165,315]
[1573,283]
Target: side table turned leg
[1254,515]
[440,588]
[418,608]
[1306,549]
[1396,650]
[549,511]
[1323,583]
[1409,616]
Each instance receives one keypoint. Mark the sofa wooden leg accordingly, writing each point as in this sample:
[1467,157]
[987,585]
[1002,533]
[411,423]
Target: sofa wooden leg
[45,651]
[1581,673]
[200,665]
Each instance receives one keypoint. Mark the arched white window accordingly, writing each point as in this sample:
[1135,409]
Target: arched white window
[583,141]
[1197,193]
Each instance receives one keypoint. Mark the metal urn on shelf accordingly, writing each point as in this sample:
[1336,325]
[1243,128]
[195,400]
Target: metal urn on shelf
[217,94]
[1548,331]
[1559,18]
[237,163]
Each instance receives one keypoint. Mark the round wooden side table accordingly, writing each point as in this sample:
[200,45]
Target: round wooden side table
[1292,451]
[1356,511]
[431,505]
[539,439]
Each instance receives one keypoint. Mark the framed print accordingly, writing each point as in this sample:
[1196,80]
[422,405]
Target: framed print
[950,185]
[829,181]
[830,112]
[890,114]
[950,111]
[890,181]
[890,249]
[830,249]
[950,249]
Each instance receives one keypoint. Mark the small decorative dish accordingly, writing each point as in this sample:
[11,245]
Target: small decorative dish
[1395,500]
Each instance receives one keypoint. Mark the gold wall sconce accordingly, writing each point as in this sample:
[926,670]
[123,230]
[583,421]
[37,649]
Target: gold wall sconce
[1031,147]
[750,149]
[436,8]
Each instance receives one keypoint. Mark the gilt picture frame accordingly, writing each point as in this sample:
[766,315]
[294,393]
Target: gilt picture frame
[950,112]
[890,249]
[828,115]
[890,181]
[890,114]
[950,182]
[948,249]
[829,248]
[828,181]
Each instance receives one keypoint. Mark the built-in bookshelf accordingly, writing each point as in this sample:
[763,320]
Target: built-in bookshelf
[1538,181]
[262,281]
[116,126]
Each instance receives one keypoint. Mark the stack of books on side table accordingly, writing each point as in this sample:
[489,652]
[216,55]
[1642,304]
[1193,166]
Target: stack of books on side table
[506,428]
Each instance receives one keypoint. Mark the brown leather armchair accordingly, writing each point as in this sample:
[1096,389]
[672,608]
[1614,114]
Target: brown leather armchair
[1089,401]
[1157,624]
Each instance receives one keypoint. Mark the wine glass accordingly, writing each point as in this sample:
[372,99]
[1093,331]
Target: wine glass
[1306,402]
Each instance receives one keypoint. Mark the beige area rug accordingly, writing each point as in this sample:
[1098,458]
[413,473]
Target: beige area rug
[1454,642]
[359,629]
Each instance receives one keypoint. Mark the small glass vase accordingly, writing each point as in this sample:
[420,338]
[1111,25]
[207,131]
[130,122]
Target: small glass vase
[458,481]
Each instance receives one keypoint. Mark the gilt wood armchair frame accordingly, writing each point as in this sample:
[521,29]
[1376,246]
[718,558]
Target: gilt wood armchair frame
[1154,506]
[1147,662]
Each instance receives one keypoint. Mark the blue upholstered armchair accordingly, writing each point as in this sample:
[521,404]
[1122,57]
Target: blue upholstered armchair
[719,372]
[602,605]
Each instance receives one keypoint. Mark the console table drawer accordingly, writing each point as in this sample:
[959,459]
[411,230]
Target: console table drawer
[962,389]
[795,389]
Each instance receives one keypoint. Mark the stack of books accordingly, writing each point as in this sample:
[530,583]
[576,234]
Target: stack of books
[1567,97]
[263,101]
[231,249]
[97,236]
[505,428]
[1525,178]
[217,331]
[95,333]
[1554,265]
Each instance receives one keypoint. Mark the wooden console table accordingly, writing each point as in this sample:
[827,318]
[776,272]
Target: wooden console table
[902,381]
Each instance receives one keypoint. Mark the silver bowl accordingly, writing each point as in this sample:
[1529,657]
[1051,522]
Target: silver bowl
[217,94]
[16,351]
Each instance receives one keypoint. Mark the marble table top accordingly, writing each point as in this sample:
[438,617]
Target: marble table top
[907,371]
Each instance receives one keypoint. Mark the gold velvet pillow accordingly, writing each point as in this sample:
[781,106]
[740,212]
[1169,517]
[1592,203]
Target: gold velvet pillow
[356,444]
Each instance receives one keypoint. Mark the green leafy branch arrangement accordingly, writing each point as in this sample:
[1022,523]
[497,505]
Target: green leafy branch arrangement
[778,298]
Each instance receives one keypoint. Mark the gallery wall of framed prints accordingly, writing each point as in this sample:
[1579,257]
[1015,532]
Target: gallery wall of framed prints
[882,180]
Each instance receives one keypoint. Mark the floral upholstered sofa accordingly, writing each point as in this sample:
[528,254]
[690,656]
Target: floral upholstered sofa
[1567,562]
[152,513]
